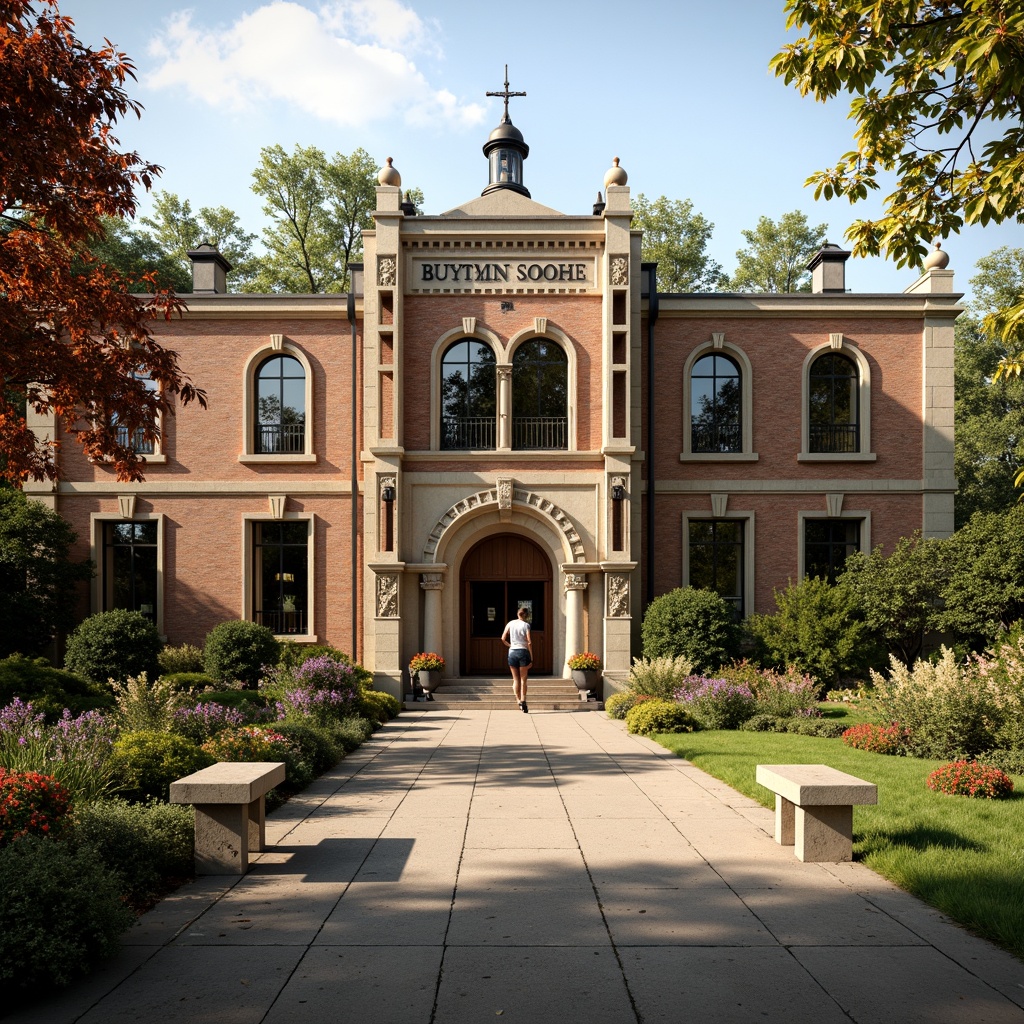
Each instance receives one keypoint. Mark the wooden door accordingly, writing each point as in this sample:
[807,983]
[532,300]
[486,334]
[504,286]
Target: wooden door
[500,575]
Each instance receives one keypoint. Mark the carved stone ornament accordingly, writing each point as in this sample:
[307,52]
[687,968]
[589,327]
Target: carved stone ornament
[387,271]
[719,503]
[432,581]
[834,505]
[835,340]
[575,581]
[618,596]
[620,271]
[540,324]
[126,506]
[504,372]
[277,503]
[277,342]
[718,339]
[387,481]
[469,324]
[505,488]
[387,595]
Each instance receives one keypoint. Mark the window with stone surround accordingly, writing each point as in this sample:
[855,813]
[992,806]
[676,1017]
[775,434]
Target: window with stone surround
[827,543]
[280,575]
[833,411]
[540,394]
[469,401]
[278,399]
[718,404]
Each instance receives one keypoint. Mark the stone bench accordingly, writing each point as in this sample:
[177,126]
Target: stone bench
[814,808]
[230,812]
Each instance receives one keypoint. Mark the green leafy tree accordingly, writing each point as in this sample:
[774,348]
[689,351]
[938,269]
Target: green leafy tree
[176,230]
[38,581]
[938,99]
[777,255]
[134,253]
[692,623]
[677,238]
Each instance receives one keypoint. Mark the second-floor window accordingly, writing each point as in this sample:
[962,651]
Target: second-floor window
[715,405]
[280,406]
[833,413]
[468,396]
[540,395]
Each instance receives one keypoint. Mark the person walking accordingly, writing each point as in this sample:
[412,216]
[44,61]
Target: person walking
[520,654]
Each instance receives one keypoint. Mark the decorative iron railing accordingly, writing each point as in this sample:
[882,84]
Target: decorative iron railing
[716,437]
[834,438]
[282,623]
[468,432]
[540,432]
[138,443]
[281,438]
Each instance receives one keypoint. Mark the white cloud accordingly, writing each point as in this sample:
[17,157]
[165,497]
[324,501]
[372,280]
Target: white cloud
[347,63]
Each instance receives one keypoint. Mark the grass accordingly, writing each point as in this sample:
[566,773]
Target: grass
[961,855]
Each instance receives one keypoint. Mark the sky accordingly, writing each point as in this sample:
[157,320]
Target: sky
[679,90]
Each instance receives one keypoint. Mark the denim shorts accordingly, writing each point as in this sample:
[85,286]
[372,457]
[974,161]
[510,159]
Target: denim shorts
[519,657]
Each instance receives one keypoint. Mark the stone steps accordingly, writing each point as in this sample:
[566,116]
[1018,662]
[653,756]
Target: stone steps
[545,693]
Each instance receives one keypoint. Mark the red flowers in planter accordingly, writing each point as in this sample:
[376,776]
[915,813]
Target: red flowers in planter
[969,778]
[31,803]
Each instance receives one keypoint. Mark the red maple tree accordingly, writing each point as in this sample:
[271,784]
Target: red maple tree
[73,341]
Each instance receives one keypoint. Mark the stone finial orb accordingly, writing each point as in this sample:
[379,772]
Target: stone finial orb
[389,175]
[937,259]
[615,175]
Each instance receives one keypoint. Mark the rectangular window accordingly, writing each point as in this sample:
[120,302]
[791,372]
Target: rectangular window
[827,545]
[129,574]
[136,439]
[280,559]
[716,558]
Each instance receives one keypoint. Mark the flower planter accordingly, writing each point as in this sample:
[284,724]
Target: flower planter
[430,679]
[585,679]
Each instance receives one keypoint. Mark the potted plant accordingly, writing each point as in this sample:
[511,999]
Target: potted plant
[427,666]
[584,668]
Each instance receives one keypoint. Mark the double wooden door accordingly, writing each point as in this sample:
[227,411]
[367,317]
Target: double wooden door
[499,576]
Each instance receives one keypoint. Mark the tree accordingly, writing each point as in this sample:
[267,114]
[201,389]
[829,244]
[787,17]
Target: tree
[938,89]
[134,254]
[676,238]
[777,257]
[319,208]
[989,410]
[75,342]
[176,230]
[37,579]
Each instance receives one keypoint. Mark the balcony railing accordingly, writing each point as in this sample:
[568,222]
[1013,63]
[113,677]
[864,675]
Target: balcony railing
[282,623]
[281,438]
[138,444]
[716,437]
[834,438]
[540,432]
[468,432]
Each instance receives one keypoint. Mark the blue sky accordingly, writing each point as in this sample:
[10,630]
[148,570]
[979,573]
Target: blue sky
[680,91]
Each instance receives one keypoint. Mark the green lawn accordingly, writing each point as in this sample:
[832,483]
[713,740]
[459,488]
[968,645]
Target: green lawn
[961,855]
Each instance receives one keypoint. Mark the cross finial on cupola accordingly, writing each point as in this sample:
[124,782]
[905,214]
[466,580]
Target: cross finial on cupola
[506,94]
[506,149]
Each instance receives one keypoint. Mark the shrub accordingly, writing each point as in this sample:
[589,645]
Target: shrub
[188,681]
[879,739]
[185,659]
[651,716]
[695,624]
[618,704]
[715,703]
[658,677]
[817,628]
[316,746]
[969,778]
[351,732]
[206,719]
[143,845]
[61,913]
[782,694]
[261,743]
[378,706]
[31,804]
[237,651]
[49,689]
[113,645]
[947,707]
[822,727]
[146,763]
[1002,672]
[1011,761]
[142,705]
[292,655]
[763,723]
[249,702]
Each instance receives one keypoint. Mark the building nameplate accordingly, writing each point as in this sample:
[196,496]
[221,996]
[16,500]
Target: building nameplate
[501,274]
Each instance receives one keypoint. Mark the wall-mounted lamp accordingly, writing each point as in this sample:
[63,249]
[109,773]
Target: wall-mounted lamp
[387,495]
[618,492]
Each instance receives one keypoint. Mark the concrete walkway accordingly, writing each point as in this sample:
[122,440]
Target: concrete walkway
[463,867]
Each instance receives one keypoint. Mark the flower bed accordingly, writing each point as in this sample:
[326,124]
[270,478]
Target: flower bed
[969,778]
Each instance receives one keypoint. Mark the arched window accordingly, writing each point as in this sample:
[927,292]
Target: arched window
[715,405]
[833,405]
[540,389]
[468,396]
[280,425]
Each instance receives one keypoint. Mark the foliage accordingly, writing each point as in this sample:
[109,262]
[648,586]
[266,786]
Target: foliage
[617,705]
[1002,673]
[929,79]
[142,705]
[651,716]
[764,722]
[249,743]
[377,706]
[319,208]
[691,622]
[316,746]
[658,677]
[50,689]
[898,595]
[585,662]
[319,706]
[946,707]
[716,703]
[325,673]
[879,739]
[38,582]
[75,751]
[143,845]
[113,645]
[821,727]
[351,733]
[135,255]
[817,629]
[1011,761]
[146,763]
[31,804]
[74,338]
[676,238]
[237,651]
[778,254]
[206,719]
[426,661]
[186,682]
[778,694]
[186,659]
[61,913]
[969,778]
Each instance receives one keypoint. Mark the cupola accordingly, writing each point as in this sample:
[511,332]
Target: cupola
[506,150]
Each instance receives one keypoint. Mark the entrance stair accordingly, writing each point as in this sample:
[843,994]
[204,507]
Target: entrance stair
[544,693]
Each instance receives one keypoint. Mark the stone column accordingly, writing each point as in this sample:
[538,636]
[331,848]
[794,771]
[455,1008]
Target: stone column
[505,407]
[575,584]
[432,583]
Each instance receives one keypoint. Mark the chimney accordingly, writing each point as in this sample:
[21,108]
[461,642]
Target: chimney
[828,269]
[209,271]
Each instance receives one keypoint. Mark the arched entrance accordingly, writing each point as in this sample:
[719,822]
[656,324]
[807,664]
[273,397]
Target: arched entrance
[499,575]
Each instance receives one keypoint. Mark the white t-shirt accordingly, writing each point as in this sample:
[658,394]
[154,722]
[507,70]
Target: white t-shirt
[518,632]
